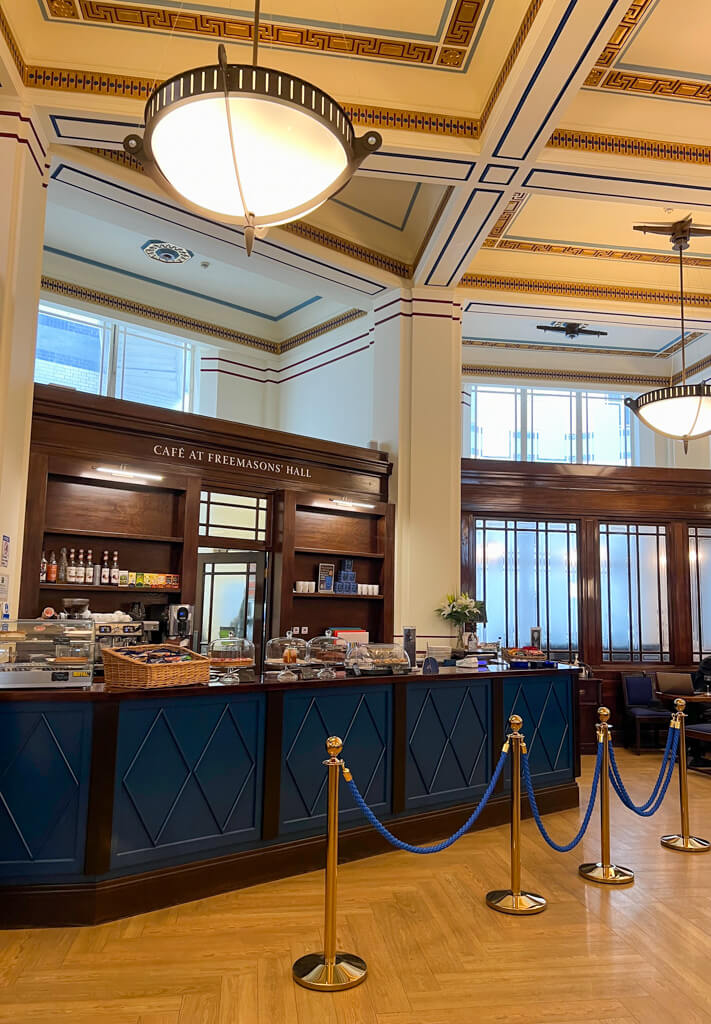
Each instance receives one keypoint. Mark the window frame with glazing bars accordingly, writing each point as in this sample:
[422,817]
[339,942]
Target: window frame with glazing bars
[261,538]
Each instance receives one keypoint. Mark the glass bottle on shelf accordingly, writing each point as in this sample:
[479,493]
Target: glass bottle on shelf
[89,568]
[105,570]
[71,568]
[62,566]
[52,568]
[115,570]
[79,578]
[43,568]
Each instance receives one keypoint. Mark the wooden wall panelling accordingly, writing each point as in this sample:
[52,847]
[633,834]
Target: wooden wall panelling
[590,635]
[387,583]
[679,592]
[189,528]
[101,792]
[36,503]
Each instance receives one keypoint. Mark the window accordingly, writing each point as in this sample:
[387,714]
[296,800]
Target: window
[71,351]
[496,422]
[107,357]
[699,563]
[549,425]
[236,517]
[633,586]
[527,574]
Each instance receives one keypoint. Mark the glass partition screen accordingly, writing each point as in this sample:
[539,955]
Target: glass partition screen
[633,591]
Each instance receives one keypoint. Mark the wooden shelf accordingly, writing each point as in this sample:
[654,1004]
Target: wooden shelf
[352,597]
[337,554]
[113,535]
[107,588]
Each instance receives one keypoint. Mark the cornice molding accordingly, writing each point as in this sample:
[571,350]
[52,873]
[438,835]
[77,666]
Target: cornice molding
[203,327]
[582,290]
[576,376]
[348,248]
[589,252]
[526,346]
[622,145]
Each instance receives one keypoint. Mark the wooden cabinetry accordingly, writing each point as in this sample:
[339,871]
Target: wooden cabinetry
[589,699]
[72,504]
[312,529]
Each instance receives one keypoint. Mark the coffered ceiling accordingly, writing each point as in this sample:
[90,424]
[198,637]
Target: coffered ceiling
[522,140]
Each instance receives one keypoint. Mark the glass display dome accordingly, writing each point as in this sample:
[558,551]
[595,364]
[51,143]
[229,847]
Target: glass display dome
[326,650]
[285,650]
[377,659]
[228,654]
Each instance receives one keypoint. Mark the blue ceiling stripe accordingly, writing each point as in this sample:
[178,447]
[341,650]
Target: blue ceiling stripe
[381,220]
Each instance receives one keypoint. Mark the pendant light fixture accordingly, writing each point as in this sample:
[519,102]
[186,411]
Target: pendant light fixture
[679,411]
[248,145]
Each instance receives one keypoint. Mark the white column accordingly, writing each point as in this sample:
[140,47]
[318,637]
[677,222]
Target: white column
[417,416]
[23,193]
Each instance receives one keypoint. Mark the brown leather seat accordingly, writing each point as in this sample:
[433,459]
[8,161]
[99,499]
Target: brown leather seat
[675,682]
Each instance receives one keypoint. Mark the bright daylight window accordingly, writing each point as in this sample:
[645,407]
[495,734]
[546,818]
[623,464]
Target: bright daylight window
[549,425]
[104,356]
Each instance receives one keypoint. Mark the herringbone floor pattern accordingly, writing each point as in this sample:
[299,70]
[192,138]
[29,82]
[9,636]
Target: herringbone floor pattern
[437,955]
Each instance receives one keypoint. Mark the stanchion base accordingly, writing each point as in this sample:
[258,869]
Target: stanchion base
[508,902]
[690,845]
[311,971]
[606,874]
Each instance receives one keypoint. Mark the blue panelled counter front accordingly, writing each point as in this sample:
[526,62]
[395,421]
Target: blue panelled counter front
[117,803]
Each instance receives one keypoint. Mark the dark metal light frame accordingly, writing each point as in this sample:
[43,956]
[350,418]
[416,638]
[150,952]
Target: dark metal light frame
[225,80]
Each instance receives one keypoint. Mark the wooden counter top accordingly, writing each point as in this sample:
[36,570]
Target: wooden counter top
[99,693]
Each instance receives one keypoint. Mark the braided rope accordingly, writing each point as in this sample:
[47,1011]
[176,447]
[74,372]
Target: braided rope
[651,806]
[562,848]
[399,844]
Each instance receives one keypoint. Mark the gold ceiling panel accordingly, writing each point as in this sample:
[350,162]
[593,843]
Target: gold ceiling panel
[451,51]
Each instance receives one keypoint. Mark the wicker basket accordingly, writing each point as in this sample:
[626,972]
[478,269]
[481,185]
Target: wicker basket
[124,673]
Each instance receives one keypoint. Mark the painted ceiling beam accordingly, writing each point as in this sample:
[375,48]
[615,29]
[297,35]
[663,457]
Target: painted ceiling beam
[555,53]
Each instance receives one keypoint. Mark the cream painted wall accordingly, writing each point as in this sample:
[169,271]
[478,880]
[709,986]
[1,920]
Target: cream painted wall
[22,208]
[325,388]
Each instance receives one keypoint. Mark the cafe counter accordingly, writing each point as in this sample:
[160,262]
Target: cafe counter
[115,803]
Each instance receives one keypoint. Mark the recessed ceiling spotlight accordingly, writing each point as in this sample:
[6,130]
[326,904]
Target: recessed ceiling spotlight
[166,252]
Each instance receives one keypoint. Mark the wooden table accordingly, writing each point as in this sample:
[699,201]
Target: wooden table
[690,698]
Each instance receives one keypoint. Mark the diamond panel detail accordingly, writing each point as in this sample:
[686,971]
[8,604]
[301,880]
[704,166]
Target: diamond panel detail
[544,705]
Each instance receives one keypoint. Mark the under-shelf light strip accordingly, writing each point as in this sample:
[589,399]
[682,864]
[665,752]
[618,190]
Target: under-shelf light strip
[128,474]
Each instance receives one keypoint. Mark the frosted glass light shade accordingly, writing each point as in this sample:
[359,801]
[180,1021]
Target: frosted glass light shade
[294,146]
[681,411]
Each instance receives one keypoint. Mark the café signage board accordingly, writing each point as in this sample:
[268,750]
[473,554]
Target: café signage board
[210,457]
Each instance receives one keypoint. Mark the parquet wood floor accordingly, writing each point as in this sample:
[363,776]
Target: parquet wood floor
[437,955]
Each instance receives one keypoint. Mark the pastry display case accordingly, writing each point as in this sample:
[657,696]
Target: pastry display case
[376,660]
[231,660]
[46,654]
[284,651]
[326,650]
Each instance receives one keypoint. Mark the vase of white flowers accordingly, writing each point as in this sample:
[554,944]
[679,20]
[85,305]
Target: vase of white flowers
[463,611]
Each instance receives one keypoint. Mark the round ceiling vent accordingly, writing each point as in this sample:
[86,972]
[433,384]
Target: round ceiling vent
[166,252]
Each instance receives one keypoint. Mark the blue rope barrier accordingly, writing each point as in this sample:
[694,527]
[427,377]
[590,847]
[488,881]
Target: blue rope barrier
[651,806]
[562,848]
[399,844]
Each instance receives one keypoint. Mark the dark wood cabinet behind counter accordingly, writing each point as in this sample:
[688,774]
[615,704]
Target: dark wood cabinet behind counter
[122,803]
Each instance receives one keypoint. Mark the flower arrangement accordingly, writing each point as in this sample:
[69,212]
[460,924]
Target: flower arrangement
[462,610]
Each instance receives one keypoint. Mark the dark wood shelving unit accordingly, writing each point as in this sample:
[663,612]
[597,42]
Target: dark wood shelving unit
[108,589]
[69,505]
[343,597]
[312,530]
[338,553]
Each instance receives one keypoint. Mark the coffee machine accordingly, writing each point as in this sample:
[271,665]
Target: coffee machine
[180,622]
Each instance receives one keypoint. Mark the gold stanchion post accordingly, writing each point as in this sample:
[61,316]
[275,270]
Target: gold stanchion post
[684,841]
[602,871]
[513,900]
[332,970]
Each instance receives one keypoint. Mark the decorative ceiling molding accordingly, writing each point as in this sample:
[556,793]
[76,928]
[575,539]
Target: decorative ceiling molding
[620,145]
[578,376]
[582,290]
[525,27]
[347,248]
[592,252]
[464,20]
[450,52]
[604,75]
[532,346]
[186,323]
[511,209]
